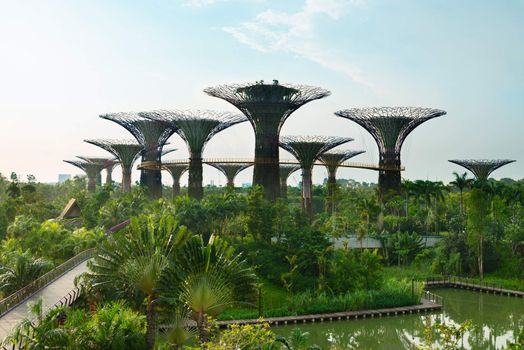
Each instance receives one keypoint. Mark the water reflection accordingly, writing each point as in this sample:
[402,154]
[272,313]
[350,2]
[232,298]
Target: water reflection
[496,320]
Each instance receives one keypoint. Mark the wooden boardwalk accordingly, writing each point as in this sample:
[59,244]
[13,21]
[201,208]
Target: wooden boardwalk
[426,306]
[61,291]
[475,287]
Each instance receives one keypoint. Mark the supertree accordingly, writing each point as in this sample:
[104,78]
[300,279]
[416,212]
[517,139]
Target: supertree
[230,170]
[92,171]
[332,160]
[284,171]
[389,126]
[109,164]
[482,168]
[267,106]
[176,170]
[308,149]
[196,128]
[152,135]
[126,151]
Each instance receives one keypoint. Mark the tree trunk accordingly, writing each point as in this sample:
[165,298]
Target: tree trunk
[202,328]
[266,168]
[126,180]
[176,188]
[151,324]
[307,202]
[109,175]
[389,181]
[195,189]
[231,182]
[331,189]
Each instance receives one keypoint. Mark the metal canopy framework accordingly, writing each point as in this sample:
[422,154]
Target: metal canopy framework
[390,126]
[482,168]
[152,135]
[92,171]
[109,164]
[307,149]
[176,170]
[267,106]
[196,128]
[285,170]
[126,151]
[332,160]
[230,171]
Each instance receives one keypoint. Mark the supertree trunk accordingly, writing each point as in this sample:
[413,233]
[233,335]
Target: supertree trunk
[152,178]
[389,180]
[126,180]
[99,179]
[283,188]
[307,183]
[91,184]
[231,182]
[195,189]
[266,169]
[331,189]
[109,175]
[176,188]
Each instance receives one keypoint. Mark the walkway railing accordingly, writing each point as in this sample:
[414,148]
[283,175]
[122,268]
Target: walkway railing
[22,294]
[434,298]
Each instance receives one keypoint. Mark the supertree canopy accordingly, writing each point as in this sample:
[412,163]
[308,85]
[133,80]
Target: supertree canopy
[230,170]
[196,128]
[389,126]
[108,163]
[482,168]
[307,149]
[126,151]
[152,135]
[176,170]
[267,106]
[92,171]
[284,171]
[332,160]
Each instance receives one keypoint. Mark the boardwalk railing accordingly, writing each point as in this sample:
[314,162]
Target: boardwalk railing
[434,298]
[473,284]
[19,296]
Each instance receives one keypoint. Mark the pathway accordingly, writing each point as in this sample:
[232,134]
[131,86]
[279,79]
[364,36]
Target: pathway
[51,294]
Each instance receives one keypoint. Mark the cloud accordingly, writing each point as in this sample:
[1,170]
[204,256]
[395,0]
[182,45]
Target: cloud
[295,33]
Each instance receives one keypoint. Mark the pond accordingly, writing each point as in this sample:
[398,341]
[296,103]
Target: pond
[496,319]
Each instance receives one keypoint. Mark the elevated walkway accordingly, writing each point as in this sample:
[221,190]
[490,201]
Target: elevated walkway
[55,288]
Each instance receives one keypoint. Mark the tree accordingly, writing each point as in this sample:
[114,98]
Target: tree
[137,259]
[461,182]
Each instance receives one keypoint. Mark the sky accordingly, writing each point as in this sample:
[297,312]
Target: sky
[63,63]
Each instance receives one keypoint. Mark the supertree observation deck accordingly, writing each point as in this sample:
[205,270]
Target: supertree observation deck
[92,171]
[332,160]
[196,128]
[230,170]
[152,135]
[285,170]
[109,164]
[176,170]
[308,149]
[126,151]
[482,168]
[267,106]
[389,126]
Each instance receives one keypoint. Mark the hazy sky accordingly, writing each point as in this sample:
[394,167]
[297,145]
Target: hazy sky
[63,63]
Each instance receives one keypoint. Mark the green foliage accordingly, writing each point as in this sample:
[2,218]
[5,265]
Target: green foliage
[18,269]
[352,270]
[248,337]
[447,336]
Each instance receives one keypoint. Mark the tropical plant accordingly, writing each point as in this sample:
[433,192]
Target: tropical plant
[19,270]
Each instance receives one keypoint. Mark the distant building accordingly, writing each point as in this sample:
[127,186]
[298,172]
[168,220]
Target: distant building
[63,178]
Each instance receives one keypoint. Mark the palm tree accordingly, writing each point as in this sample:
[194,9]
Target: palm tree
[461,182]
[136,259]
[210,277]
[21,270]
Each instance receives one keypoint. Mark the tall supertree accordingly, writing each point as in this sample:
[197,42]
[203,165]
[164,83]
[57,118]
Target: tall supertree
[332,160]
[389,126]
[126,151]
[109,164]
[92,171]
[308,149]
[482,168]
[176,170]
[267,106]
[230,170]
[152,135]
[196,128]
[284,171]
